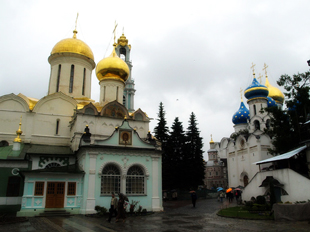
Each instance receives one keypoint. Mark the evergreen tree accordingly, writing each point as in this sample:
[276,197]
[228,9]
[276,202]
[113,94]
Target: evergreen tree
[287,126]
[161,132]
[175,152]
[194,154]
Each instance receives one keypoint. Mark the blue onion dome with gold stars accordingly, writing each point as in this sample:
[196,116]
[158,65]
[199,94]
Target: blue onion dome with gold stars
[256,90]
[271,102]
[242,115]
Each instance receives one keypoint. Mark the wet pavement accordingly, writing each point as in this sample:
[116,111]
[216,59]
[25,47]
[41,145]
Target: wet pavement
[179,216]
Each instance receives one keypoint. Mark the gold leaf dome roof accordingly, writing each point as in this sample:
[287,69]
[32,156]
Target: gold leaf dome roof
[73,45]
[112,67]
[274,92]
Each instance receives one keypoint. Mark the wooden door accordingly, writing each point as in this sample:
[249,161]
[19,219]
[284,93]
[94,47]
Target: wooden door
[55,195]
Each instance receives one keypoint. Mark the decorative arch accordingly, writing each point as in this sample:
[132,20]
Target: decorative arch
[122,170]
[244,178]
[144,168]
[139,115]
[18,99]
[54,96]
[114,110]
[89,109]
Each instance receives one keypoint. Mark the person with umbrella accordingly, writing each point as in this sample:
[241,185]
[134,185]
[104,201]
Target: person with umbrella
[121,207]
[113,207]
[194,197]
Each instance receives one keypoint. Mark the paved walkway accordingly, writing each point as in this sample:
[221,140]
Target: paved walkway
[178,216]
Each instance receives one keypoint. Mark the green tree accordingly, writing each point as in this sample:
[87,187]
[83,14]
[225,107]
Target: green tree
[194,154]
[287,125]
[161,132]
[175,156]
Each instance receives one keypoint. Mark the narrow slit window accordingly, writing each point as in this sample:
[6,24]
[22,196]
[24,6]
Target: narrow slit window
[57,126]
[254,107]
[117,93]
[71,79]
[58,78]
[83,88]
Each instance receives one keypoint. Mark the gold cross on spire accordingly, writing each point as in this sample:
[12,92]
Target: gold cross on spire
[114,31]
[265,69]
[241,93]
[252,67]
[260,77]
[75,31]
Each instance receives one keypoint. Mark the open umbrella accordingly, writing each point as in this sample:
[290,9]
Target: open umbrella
[220,189]
[228,190]
[237,189]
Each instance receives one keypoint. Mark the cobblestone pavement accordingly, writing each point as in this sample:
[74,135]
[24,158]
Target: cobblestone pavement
[178,216]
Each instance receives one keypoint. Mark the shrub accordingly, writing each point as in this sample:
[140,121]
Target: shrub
[100,210]
[261,200]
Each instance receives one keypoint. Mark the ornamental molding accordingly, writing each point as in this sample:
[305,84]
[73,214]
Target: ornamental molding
[144,168]
[92,172]
[92,154]
[117,164]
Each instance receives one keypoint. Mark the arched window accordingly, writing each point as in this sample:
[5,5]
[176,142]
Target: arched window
[122,53]
[57,126]
[257,125]
[110,179]
[58,78]
[245,180]
[71,79]
[135,181]
[83,87]
[4,143]
[254,107]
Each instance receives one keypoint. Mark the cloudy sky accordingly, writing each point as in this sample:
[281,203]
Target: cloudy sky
[194,56]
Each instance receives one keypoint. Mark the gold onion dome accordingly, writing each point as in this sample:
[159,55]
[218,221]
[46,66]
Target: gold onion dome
[274,92]
[112,67]
[73,45]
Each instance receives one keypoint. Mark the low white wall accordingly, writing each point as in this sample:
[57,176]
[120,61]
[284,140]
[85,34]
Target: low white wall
[296,185]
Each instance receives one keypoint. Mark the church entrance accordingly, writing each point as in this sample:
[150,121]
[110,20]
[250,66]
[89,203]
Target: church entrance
[55,195]
[245,180]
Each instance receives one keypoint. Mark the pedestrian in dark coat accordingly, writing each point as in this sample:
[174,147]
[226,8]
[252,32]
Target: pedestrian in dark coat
[194,197]
[121,208]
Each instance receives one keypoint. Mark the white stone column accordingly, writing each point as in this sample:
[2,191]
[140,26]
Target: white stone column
[91,201]
[156,199]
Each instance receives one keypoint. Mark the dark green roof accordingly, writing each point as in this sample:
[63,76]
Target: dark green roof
[7,153]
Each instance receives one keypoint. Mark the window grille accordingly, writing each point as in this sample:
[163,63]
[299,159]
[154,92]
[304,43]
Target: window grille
[110,180]
[71,188]
[39,189]
[135,181]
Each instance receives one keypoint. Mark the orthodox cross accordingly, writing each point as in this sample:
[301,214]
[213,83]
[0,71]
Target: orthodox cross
[252,67]
[114,31]
[241,93]
[265,68]
[77,15]
[260,77]
[75,31]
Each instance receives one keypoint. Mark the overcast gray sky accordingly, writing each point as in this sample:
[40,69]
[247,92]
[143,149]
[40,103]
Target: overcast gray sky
[198,52]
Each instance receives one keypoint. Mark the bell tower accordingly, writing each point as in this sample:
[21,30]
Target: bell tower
[122,49]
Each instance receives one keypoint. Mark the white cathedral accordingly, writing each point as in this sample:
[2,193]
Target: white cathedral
[70,152]
[249,165]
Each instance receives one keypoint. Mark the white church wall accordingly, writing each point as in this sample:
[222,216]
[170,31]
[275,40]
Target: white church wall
[291,180]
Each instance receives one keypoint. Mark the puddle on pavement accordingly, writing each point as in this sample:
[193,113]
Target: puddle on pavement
[177,215]
[193,228]
[194,217]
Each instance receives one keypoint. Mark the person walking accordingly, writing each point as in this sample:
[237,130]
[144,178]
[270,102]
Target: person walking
[121,208]
[113,207]
[222,195]
[194,197]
